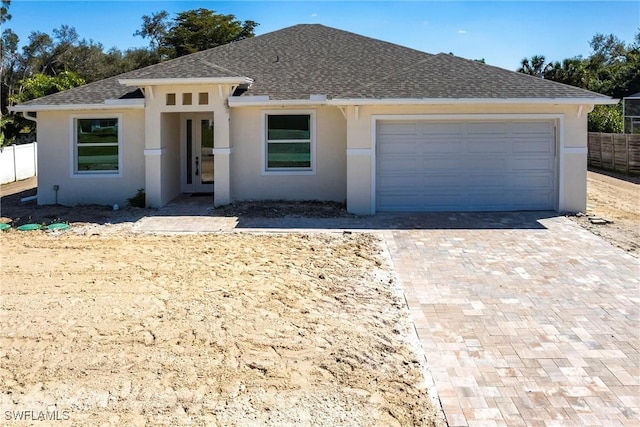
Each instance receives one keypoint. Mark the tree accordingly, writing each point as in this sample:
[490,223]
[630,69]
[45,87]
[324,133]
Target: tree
[536,66]
[571,71]
[8,67]
[4,11]
[154,27]
[612,69]
[606,118]
[40,85]
[192,31]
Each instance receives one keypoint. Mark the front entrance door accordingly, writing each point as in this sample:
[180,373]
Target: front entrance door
[197,150]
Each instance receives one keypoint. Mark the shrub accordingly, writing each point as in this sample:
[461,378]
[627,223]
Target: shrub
[139,200]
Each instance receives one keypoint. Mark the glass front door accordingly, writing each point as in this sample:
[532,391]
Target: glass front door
[198,164]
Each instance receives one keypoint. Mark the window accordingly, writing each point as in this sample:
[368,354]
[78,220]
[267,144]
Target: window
[186,99]
[203,98]
[171,99]
[96,146]
[289,142]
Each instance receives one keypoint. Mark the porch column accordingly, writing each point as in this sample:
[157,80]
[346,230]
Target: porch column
[222,156]
[152,159]
[359,162]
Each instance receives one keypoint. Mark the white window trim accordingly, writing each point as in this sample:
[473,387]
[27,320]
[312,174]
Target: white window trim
[74,173]
[263,130]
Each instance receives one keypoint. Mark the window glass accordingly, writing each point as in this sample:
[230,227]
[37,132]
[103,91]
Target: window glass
[97,145]
[289,127]
[289,141]
[289,155]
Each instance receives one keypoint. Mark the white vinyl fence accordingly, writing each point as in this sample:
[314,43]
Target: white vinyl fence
[18,162]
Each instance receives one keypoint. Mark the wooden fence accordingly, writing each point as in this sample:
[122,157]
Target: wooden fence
[617,152]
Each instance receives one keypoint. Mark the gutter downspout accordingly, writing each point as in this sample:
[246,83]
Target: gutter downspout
[27,116]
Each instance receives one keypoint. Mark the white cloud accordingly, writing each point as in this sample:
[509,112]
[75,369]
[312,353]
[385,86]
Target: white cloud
[425,23]
[462,31]
[313,15]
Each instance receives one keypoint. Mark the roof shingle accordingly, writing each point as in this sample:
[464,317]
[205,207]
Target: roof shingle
[298,61]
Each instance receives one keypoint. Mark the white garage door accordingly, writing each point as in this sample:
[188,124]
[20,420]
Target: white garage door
[465,165]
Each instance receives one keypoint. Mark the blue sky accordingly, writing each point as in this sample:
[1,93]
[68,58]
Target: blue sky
[502,32]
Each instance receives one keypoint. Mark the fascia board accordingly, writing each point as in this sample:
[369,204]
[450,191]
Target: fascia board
[78,107]
[239,102]
[414,101]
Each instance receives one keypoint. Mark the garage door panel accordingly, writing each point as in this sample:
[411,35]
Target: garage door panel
[486,128]
[532,164]
[401,184]
[480,181]
[401,148]
[400,128]
[537,145]
[442,147]
[438,163]
[487,146]
[438,181]
[531,181]
[486,164]
[531,127]
[445,129]
[400,166]
[465,166]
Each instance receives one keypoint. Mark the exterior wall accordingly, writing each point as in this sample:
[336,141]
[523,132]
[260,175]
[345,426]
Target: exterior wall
[572,147]
[55,161]
[345,152]
[247,179]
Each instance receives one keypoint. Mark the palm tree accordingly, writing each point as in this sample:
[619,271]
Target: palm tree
[571,71]
[536,66]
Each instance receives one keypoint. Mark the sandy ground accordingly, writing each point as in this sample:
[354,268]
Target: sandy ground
[227,329]
[102,326]
[615,198]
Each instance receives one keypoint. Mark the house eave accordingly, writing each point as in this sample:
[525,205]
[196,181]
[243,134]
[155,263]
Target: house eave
[107,105]
[264,101]
[185,81]
[440,101]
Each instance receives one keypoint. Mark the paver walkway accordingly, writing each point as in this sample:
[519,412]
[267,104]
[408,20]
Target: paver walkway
[525,318]
[529,326]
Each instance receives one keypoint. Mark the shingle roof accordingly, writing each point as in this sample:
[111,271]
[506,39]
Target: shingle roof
[298,61]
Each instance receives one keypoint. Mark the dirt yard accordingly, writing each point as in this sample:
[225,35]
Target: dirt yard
[114,328]
[617,199]
[225,329]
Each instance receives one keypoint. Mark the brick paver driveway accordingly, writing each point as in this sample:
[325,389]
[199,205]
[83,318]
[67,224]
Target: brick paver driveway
[525,319]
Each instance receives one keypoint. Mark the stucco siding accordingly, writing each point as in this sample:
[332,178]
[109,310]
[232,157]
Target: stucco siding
[571,141]
[247,179]
[56,160]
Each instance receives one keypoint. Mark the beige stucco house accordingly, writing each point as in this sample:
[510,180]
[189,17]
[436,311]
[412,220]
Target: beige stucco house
[315,113]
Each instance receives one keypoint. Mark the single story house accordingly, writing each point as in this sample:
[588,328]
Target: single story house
[311,112]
